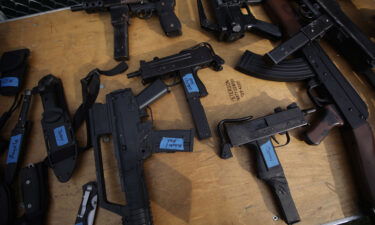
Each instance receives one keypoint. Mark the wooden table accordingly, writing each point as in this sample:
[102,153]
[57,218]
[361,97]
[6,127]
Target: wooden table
[187,188]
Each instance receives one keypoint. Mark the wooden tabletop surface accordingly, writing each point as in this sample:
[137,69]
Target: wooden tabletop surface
[196,188]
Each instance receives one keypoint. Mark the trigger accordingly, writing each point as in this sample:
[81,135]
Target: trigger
[274,139]
[287,140]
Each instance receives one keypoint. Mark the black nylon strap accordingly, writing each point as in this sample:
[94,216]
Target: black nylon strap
[90,91]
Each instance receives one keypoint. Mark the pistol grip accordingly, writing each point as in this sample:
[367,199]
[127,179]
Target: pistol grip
[168,19]
[194,89]
[330,119]
[266,30]
[269,169]
[120,20]
[170,23]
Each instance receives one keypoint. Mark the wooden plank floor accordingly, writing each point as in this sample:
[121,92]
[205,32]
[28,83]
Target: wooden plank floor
[195,188]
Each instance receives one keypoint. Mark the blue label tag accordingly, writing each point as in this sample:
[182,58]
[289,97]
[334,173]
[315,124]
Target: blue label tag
[60,136]
[190,83]
[14,148]
[79,223]
[9,82]
[269,154]
[172,143]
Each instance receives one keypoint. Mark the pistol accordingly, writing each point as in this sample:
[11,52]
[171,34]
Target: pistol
[257,134]
[231,23]
[185,65]
[122,10]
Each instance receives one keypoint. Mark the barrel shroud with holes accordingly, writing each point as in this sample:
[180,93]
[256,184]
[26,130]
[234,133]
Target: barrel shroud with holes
[257,134]
[134,140]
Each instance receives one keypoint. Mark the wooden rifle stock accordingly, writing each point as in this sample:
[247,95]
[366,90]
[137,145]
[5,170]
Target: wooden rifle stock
[361,145]
[281,12]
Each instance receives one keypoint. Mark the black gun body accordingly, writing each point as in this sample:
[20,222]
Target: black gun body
[122,10]
[257,134]
[289,70]
[185,65]
[133,142]
[326,19]
[348,33]
[131,174]
[269,169]
[265,127]
[191,60]
[231,23]
[230,17]
[169,22]
[350,41]
[351,105]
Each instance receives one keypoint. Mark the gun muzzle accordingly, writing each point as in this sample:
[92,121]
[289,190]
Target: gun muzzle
[76,8]
[134,74]
[309,111]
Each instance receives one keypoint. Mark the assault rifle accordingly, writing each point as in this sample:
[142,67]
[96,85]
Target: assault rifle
[231,23]
[326,19]
[122,10]
[133,142]
[185,65]
[257,134]
[329,90]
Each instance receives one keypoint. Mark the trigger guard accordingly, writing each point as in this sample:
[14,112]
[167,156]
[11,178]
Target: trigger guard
[144,14]
[320,102]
